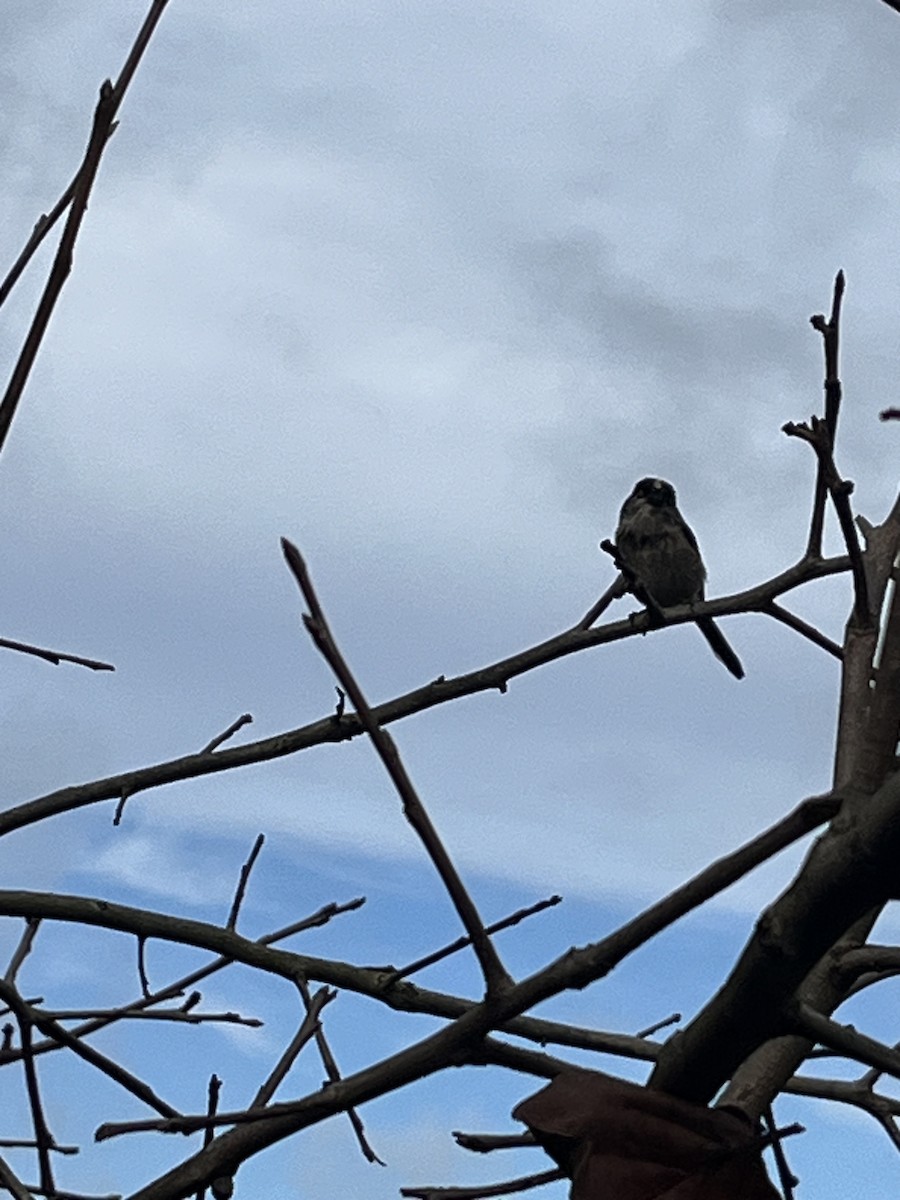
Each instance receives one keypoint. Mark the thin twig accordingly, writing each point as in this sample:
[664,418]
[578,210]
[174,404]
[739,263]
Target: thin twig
[22,950]
[846,1040]
[213,1089]
[333,1075]
[173,990]
[42,227]
[486,1143]
[244,719]
[830,331]
[104,119]
[663,1024]
[786,1176]
[304,1034]
[12,1184]
[495,976]
[43,1137]
[49,1028]
[615,590]
[816,433]
[430,959]
[142,966]
[796,623]
[36,1190]
[484,1191]
[244,879]
[177,1016]
[55,656]
[31,1144]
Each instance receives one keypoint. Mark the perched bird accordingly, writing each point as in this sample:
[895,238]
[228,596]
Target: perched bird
[657,546]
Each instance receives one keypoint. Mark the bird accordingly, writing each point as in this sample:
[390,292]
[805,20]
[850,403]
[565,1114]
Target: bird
[657,547]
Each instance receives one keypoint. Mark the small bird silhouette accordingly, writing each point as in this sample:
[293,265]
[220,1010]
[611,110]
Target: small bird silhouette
[658,547]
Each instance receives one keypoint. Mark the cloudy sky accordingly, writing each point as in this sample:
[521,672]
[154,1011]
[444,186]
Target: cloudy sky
[426,287]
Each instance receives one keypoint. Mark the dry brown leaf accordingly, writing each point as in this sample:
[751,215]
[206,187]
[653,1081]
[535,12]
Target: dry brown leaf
[620,1141]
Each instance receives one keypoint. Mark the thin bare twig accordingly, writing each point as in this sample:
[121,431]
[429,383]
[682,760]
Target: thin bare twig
[495,975]
[524,1183]
[172,990]
[796,623]
[786,1177]
[244,719]
[333,1074]
[615,590]
[304,1034]
[213,1089]
[104,119]
[37,1190]
[177,1016]
[31,1144]
[142,966]
[244,879]
[42,227]
[12,1184]
[55,656]
[22,950]
[663,1024]
[43,1137]
[817,434]
[486,1143]
[29,1017]
[830,331]
[430,959]
[846,1040]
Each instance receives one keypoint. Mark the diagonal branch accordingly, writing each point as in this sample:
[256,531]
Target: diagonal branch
[818,434]
[830,331]
[104,120]
[495,976]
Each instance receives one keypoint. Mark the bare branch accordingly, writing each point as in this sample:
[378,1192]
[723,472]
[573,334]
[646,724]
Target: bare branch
[23,949]
[525,1183]
[818,435]
[616,589]
[12,1184]
[244,719]
[847,1041]
[830,331]
[213,1089]
[304,1034]
[55,656]
[495,976]
[50,1028]
[430,959]
[485,1143]
[332,728]
[663,1024]
[242,882]
[786,1177]
[803,627]
[104,119]
[43,1137]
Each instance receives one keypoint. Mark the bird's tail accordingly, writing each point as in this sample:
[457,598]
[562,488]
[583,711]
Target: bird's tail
[720,647]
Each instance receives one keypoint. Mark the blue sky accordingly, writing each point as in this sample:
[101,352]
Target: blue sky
[426,288]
